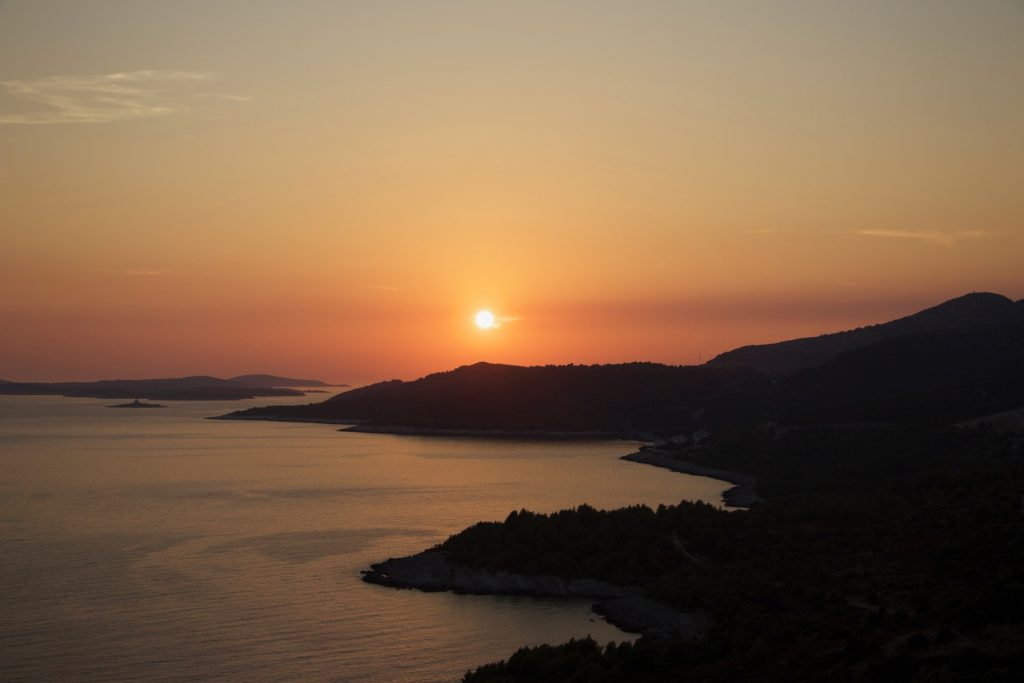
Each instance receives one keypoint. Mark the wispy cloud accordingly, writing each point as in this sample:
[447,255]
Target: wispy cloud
[501,320]
[933,237]
[144,271]
[104,98]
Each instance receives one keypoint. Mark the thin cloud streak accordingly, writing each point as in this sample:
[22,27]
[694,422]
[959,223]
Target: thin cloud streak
[144,271]
[104,98]
[501,320]
[936,238]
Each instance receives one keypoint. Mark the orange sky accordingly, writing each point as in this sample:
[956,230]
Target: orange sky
[333,189]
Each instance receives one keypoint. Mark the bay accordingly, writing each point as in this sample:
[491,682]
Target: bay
[152,544]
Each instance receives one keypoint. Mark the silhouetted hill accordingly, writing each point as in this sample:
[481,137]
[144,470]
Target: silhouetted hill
[945,376]
[622,399]
[278,381]
[965,313]
[962,359]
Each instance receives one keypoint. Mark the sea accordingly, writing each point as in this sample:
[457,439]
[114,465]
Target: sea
[156,545]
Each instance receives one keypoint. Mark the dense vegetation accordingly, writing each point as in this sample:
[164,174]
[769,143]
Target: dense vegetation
[881,553]
[925,378]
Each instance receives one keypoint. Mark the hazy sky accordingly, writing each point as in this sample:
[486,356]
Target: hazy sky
[333,189]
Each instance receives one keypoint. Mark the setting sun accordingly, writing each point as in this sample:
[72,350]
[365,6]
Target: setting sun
[485,320]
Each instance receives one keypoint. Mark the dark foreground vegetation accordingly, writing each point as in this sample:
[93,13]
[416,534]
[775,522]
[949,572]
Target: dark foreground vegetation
[881,553]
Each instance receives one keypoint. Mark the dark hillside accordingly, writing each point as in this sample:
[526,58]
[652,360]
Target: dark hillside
[958,360]
[627,398]
[966,313]
[931,377]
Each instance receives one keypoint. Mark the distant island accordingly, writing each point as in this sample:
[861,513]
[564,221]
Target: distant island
[193,388]
[278,381]
[960,359]
[137,404]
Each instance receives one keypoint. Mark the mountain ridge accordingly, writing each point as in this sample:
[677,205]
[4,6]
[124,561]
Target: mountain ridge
[953,361]
[624,398]
[963,312]
[263,380]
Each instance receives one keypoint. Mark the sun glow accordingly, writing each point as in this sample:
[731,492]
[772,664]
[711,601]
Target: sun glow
[485,320]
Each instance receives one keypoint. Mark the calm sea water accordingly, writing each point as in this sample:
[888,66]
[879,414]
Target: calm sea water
[155,545]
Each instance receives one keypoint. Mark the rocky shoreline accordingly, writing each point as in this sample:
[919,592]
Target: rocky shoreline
[650,617]
[743,494]
[621,606]
[430,570]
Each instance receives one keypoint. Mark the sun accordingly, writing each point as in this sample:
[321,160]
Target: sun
[485,320]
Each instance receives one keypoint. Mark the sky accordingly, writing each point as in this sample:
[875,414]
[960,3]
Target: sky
[334,189]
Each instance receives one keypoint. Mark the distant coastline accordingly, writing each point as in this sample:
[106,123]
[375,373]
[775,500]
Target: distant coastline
[281,418]
[742,495]
[353,425]
[497,433]
[194,388]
